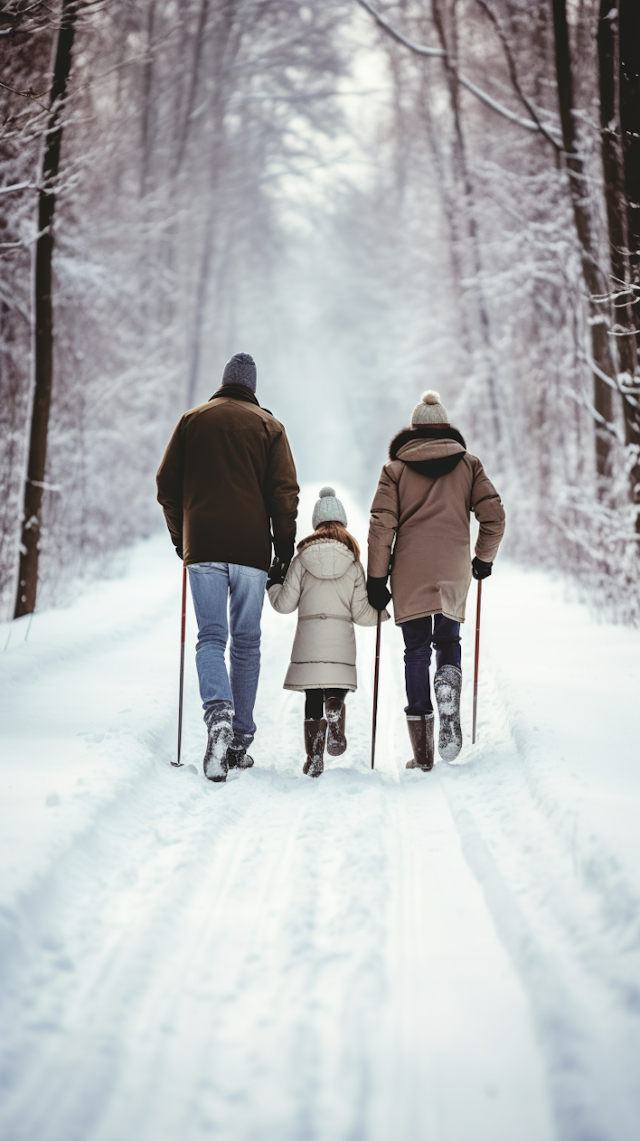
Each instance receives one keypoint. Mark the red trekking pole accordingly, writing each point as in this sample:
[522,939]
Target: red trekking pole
[477,660]
[177,764]
[376,679]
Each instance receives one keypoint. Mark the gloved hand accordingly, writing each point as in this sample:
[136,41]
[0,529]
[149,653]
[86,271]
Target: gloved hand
[277,572]
[377,592]
[179,553]
[480,570]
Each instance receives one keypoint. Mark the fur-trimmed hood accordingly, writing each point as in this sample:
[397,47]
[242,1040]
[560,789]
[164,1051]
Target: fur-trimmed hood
[430,449]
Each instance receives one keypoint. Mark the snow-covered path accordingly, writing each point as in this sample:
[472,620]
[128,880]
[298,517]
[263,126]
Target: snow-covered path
[451,957]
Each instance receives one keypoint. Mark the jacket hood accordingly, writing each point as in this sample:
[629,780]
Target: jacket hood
[326,559]
[430,449]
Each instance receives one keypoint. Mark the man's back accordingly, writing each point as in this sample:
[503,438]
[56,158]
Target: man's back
[227,472]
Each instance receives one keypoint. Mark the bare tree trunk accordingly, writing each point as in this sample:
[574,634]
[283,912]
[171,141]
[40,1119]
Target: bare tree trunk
[630,126]
[147,104]
[43,318]
[594,280]
[617,220]
[460,153]
[183,136]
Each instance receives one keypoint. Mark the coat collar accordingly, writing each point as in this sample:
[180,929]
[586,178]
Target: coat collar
[236,392]
[424,432]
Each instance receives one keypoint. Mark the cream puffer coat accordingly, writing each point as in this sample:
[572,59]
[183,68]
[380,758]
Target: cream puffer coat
[327,586]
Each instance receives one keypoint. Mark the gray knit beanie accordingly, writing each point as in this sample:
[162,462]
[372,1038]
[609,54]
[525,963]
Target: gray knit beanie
[241,369]
[328,509]
[429,410]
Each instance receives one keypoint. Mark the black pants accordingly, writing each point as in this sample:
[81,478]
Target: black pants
[315,699]
[419,635]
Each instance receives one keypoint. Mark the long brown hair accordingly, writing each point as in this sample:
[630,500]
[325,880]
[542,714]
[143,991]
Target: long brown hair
[332,530]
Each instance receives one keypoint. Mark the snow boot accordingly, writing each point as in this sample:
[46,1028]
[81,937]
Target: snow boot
[315,733]
[237,755]
[218,719]
[447,685]
[336,715]
[421,733]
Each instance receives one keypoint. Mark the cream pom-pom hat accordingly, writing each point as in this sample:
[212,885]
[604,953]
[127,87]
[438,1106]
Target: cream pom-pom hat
[429,410]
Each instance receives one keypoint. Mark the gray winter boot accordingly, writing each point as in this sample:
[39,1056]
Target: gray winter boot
[447,685]
[218,719]
[421,733]
[336,715]
[315,733]
[237,755]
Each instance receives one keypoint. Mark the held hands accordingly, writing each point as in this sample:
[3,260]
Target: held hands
[480,570]
[277,572]
[377,592]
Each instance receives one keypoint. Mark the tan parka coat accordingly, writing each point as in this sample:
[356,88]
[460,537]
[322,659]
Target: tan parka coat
[423,504]
[327,587]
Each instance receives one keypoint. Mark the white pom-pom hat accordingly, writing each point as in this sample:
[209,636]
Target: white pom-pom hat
[429,410]
[328,509]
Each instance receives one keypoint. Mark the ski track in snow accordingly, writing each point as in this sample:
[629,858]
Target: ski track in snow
[451,957]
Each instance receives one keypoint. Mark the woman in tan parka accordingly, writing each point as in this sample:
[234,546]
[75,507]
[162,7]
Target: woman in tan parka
[421,513]
[326,584]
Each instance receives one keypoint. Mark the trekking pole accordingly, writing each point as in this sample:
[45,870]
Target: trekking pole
[177,764]
[477,659]
[376,679]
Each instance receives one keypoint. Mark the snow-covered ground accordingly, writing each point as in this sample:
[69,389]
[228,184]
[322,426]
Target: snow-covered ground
[387,956]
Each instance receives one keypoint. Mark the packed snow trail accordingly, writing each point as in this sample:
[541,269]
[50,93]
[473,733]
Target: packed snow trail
[450,957]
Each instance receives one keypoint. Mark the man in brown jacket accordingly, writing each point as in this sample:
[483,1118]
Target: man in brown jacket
[421,513]
[227,484]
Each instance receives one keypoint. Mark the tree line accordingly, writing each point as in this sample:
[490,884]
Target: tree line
[482,235]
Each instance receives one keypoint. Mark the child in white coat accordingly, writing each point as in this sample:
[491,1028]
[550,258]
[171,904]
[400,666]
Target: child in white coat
[326,584]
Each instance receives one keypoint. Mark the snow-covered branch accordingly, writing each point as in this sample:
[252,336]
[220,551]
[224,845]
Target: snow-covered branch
[440,53]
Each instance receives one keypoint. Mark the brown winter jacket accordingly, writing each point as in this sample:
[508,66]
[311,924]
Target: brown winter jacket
[227,472]
[424,499]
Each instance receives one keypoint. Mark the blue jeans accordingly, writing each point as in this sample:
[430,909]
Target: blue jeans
[419,634]
[214,588]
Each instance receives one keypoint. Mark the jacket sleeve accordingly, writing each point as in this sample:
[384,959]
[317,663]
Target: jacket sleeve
[170,483]
[285,597]
[362,611]
[488,510]
[383,525]
[281,494]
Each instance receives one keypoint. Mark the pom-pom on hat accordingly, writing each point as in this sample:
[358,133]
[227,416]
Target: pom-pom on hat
[429,410]
[241,369]
[328,509]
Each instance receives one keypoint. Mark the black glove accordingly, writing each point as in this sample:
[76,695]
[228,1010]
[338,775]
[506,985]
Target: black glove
[377,592]
[480,570]
[277,572]
[180,554]
[283,548]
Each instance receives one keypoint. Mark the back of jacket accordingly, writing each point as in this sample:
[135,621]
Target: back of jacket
[423,502]
[227,474]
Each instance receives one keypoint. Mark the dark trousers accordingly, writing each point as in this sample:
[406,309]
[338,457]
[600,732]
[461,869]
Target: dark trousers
[315,699]
[419,635]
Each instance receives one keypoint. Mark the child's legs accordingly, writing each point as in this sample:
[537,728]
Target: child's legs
[340,694]
[315,699]
[314,704]
[446,640]
[417,658]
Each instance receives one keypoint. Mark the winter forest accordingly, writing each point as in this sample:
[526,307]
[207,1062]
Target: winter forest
[373,198]
[370,197]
